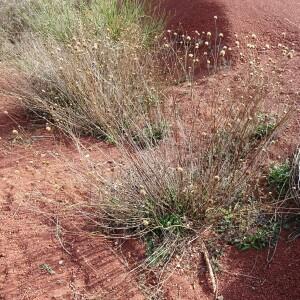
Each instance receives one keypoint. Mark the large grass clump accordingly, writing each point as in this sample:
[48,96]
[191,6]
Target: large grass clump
[169,195]
[90,64]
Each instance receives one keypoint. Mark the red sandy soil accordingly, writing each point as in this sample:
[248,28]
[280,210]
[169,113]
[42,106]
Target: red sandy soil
[35,184]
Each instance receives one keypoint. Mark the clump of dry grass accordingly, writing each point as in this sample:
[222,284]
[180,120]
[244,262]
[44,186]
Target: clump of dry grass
[92,87]
[170,194]
[90,73]
[205,169]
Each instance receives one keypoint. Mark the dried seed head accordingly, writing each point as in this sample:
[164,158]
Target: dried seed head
[146,222]
[143,192]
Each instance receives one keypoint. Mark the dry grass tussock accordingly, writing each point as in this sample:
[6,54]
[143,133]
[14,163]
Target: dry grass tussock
[103,90]
[170,194]
[91,67]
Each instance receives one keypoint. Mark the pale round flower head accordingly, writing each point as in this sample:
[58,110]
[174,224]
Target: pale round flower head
[222,52]
[221,35]
[253,36]
[179,169]
[251,46]
[216,17]
[206,43]
[146,222]
[143,192]
[208,33]
[15,132]
[188,38]
[191,55]
[48,128]
[208,62]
